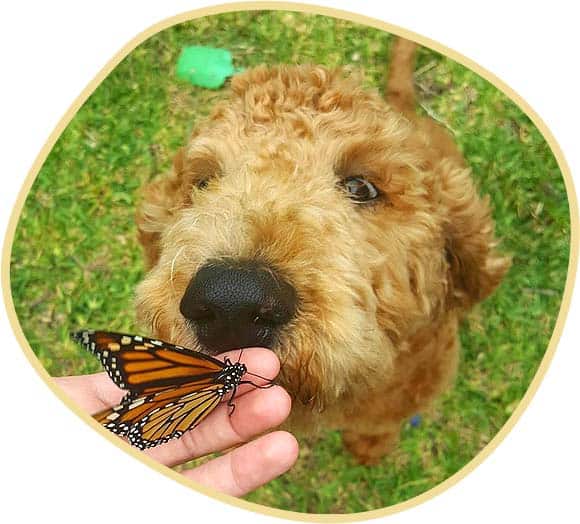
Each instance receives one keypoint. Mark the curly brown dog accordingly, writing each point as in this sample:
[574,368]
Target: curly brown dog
[308,216]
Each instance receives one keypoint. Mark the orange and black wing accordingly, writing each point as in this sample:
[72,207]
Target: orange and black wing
[142,365]
[171,388]
[150,420]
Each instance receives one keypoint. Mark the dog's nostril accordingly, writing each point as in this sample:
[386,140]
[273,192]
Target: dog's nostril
[237,304]
[272,317]
[201,313]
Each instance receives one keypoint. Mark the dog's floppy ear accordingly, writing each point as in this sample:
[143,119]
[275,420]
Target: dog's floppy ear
[159,201]
[475,266]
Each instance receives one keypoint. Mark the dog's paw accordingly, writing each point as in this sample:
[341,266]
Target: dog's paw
[370,449]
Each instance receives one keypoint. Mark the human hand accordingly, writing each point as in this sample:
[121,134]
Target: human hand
[257,410]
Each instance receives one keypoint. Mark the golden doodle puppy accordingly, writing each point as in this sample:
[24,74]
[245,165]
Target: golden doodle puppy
[308,216]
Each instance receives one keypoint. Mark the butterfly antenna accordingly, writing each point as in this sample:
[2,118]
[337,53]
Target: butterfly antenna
[260,376]
[267,386]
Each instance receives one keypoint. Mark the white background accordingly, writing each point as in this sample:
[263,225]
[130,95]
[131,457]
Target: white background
[56,469]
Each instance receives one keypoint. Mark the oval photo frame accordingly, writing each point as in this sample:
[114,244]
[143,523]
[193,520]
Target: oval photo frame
[517,409]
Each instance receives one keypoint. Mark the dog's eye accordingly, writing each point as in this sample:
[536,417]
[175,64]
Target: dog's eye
[359,189]
[202,184]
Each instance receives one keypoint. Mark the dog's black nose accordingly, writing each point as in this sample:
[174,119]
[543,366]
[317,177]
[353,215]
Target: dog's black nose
[237,304]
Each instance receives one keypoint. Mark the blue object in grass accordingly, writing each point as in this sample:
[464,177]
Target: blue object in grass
[415,421]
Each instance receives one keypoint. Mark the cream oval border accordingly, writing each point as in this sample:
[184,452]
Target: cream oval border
[363,20]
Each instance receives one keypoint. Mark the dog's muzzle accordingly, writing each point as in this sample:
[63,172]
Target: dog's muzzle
[237,304]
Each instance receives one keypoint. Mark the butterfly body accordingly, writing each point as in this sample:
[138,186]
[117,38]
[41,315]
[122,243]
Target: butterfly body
[171,389]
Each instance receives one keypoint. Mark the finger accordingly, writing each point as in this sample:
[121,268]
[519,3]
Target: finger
[91,392]
[97,391]
[255,412]
[259,361]
[250,466]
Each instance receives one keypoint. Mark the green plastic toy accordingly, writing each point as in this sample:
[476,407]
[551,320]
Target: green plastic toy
[205,66]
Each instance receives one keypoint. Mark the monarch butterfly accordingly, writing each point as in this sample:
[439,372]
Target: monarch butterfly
[171,389]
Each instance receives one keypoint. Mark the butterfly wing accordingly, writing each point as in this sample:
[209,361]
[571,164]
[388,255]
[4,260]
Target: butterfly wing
[150,420]
[143,365]
[171,389]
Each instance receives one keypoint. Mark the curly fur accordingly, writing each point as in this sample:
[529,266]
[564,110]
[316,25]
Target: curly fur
[381,287]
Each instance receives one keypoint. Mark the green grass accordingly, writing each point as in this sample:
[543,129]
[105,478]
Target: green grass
[75,259]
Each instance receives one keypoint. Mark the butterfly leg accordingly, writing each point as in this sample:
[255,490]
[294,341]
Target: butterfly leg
[231,404]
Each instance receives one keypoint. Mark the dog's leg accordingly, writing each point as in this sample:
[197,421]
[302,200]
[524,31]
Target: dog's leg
[423,371]
[369,449]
